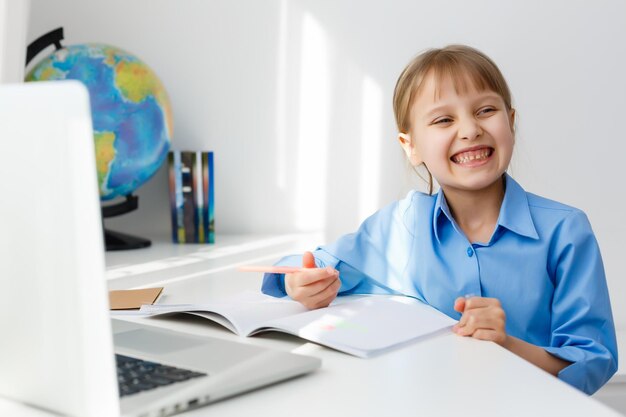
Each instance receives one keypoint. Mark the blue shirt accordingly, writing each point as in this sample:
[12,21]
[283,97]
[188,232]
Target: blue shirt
[542,262]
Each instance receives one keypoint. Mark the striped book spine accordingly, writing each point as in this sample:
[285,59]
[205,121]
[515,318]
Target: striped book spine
[191,181]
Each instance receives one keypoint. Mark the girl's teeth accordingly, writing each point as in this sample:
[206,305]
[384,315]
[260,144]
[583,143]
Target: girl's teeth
[472,156]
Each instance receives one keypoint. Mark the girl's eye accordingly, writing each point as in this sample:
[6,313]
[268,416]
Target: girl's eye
[442,120]
[486,110]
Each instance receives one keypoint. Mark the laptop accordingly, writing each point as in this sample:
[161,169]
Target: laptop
[60,350]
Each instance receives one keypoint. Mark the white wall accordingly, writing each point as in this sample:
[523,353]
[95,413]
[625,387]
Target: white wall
[13,27]
[295,99]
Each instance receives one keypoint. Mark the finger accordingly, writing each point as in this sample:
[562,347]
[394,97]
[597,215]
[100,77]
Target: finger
[459,304]
[480,321]
[321,291]
[321,299]
[468,318]
[487,334]
[465,318]
[298,291]
[308,260]
[480,302]
[328,295]
[293,283]
[312,275]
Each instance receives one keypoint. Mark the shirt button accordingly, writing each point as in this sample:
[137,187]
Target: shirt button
[470,251]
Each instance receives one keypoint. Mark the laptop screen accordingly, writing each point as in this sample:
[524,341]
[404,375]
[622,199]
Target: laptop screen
[57,350]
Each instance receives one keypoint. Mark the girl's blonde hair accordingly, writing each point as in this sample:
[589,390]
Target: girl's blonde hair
[465,66]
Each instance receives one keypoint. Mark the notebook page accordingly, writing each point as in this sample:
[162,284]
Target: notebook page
[246,311]
[366,325]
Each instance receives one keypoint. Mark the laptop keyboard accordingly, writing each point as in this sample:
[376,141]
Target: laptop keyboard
[136,375]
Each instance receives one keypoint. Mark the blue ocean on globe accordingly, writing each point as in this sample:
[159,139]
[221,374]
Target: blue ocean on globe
[131,112]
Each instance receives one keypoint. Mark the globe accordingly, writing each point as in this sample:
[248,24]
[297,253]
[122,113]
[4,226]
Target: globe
[131,112]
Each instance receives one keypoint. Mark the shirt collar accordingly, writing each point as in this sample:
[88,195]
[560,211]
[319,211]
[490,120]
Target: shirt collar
[514,213]
[441,207]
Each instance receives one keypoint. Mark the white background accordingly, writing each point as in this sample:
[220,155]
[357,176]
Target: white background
[294,97]
[13,18]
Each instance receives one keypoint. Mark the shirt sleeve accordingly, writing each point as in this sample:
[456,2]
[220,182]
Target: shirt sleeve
[582,323]
[352,280]
[379,248]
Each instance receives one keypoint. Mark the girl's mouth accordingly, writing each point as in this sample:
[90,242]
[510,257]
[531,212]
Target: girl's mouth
[472,155]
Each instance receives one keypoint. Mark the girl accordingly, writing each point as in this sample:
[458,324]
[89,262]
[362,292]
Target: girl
[515,268]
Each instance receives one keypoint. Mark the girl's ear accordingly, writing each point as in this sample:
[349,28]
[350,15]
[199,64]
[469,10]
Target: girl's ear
[512,120]
[409,149]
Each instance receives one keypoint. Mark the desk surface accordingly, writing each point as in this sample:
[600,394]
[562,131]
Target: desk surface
[441,376]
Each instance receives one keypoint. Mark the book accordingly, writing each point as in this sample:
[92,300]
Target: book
[191,183]
[133,299]
[176,196]
[208,193]
[360,325]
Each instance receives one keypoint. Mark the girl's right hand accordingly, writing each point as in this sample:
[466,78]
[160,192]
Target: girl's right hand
[313,287]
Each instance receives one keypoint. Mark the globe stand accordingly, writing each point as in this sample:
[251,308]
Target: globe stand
[117,240]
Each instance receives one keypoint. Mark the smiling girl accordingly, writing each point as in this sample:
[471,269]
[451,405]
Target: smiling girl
[517,269]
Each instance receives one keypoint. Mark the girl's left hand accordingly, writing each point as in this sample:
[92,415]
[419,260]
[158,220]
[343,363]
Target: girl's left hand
[483,318]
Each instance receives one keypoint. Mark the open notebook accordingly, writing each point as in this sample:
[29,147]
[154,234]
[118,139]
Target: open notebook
[361,325]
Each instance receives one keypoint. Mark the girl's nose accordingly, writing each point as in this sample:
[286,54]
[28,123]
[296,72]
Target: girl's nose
[469,129]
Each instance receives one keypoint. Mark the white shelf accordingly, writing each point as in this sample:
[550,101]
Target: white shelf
[165,261]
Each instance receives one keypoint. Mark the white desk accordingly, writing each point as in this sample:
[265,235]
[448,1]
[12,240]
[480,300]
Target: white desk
[445,375]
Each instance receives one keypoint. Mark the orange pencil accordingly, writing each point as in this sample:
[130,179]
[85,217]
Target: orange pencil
[271,269]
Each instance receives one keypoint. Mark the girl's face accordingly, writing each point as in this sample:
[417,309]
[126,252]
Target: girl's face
[464,139]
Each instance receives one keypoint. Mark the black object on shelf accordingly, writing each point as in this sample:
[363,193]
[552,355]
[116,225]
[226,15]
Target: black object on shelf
[54,37]
[117,240]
